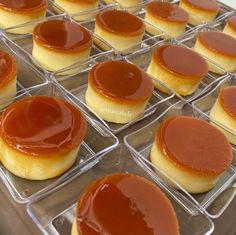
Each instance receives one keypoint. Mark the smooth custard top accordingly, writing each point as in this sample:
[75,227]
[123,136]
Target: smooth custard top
[42,126]
[167,11]
[120,22]
[181,60]
[218,42]
[62,35]
[228,100]
[125,204]
[207,5]
[121,81]
[194,145]
[232,22]
[8,68]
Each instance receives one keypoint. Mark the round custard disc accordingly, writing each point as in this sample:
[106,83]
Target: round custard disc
[62,35]
[120,22]
[191,63]
[42,126]
[232,22]
[206,5]
[125,204]
[194,145]
[120,81]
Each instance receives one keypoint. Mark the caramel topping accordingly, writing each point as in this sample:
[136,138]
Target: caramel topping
[121,81]
[218,42]
[228,100]
[181,60]
[207,5]
[195,145]
[8,69]
[23,5]
[167,11]
[62,35]
[125,204]
[42,126]
[232,22]
[120,22]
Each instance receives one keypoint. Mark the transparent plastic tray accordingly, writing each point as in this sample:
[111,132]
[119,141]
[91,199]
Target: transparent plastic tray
[77,84]
[54,215]
[213,202]
[143,57]
[97,141]
[221,23]
[206,103]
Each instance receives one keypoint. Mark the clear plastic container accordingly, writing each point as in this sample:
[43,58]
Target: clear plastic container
[60,205]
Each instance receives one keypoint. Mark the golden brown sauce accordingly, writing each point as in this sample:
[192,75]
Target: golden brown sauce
[228,100]
[181,60]
[42,126]
[167,11]
[120,80]
[232,22]
[62,35]
[23,5]
[209,5]
[8,69]
[120,22]
[218,42]
[195,145]
[125,204]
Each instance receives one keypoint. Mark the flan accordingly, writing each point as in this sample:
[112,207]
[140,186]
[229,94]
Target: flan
[58,44]
[224,112]
[192,152]
[124,204]
[131,5]
[80,7]
[218,47]
[118,91]
[14,13]
[200,11]
[181,75]
[230,27]
[122,30]
[169,18]
[8,77]
[40,137]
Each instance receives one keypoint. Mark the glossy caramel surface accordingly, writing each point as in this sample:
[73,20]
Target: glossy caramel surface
[120,81]
[42,126]
[62,35]
[232,22]
[218,42]
[194,145]
[8,68]
[167,11]
[125,204]
[228,100]
[208,5]
[181,60]
[120,22]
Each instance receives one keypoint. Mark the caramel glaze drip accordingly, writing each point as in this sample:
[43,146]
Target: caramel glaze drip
[167,11]
[181,60]
[125,204]
[218,42]
[121,81]
[232,22]
[206,5]
[23,5]
[8,68]
[228,100]
[194,145]
[62,35]
[120,22]
[42,126]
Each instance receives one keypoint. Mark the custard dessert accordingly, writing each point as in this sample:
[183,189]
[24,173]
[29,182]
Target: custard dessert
[118,91]
[40,137]
[230,27]
[224,111]
[181,75]
[58,44]
[124,204]
[169,18]
[218,47]
[192,152]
